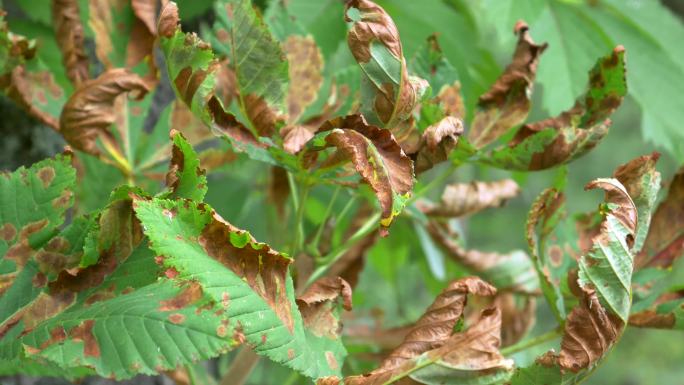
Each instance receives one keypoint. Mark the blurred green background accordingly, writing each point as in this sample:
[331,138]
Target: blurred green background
[477,38]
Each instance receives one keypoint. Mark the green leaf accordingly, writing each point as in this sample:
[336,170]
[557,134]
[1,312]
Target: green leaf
[192,67]
[249,278]
[259,63]
[608,265]
[554,141]
[185,179]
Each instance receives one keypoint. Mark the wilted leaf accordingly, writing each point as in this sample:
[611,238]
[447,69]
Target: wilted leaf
[388,94]
[34,90]
[71,39]
[248,278]
[437,143]
[433,354]
[88,114]
[665,240]
[507,102]
[319,306]
[122,38]
[468,198]
[512,271]
[554,141]
[377,157]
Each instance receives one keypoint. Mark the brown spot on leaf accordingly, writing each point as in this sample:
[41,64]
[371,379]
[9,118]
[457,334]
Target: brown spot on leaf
[221,331]
[84,332]
[46,175]
[190,294]
[171,273]
[290,354]
[176,318]
[8,232]
[305,66]
[651,319]
[21,251]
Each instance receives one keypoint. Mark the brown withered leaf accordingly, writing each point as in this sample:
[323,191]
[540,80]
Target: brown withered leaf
[437,142]
[377,157]
[451,100]
[469,354]
[517,314]
[436,325]
[71,39]
[295,137]
[29,90]
[507,102]
[318,306]
[90,111]
[146,11]
[652,319]
[461,199]
[589,332]
[305,65]
[665,240]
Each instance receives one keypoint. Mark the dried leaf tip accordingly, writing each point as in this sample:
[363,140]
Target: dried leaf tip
[168,20]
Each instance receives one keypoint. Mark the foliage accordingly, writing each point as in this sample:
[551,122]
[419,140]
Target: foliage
[117,259]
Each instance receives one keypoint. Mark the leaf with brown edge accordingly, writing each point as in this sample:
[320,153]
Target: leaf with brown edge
[34,89]
[259,63]
[250,279]
[507,102]
[437,142]
[377,158]
[462,199]
[642,182]
[664,243]
[319,306]
[185,178]
[554,141]
[199,83]
[71,39]
[388,93]
[607,267]
[90,112]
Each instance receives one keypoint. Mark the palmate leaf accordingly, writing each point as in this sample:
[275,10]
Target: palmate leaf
[248,277]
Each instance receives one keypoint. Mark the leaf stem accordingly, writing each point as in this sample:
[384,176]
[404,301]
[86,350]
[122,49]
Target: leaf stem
[328,211]
[530,342]
[241,367]
[369,226]
[298,201]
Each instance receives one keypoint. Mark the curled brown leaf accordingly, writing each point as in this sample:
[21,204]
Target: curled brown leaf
[317,305]
[665,240]
[90,111]
[467,198]
[507,102]
[589,332]
[436,325]
[437,142]
[376,156]
[71,39]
